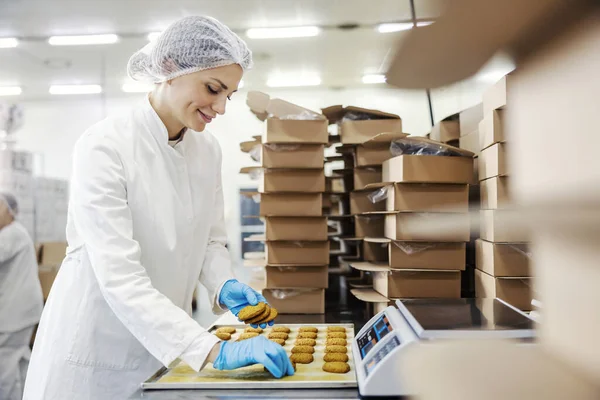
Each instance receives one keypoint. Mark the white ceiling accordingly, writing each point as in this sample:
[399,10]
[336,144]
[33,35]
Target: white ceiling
[340,56]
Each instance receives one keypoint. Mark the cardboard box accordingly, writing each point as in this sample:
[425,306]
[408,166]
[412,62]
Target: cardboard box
[491,129]
[366,176]
[412,283]
[470,118]
[291,204]
[368,295]
[400,227]
[47,275]
[515,291]
[503,259]
[296,301]
[470,142]
[492,162]
[372,156]
[369,226]
[421,255]
[375,251]
[52,254]
[428,169]
[445,131]
[495,226]
[425,197]
[297,253]
[297,277]
[289,180]
[360,203]
[359,131]
[494,97]
[495,193]
[296,228]
[302,156]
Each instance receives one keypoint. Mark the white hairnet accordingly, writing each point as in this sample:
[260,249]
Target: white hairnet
[11,203]
[189,45]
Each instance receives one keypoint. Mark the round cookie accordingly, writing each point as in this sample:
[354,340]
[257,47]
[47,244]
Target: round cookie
[278,335]
[336,367]
[335,357]
[248,335]
[259,318]
[253,330]
[306,342]
[226,329]
[307,335]
[302,358]
[250,312]
[336,335]
[223,335]
[280,342]
[303,349]
[272,316]
[336,329]
[308,329]
[336,349]
[283,329]
[336,342]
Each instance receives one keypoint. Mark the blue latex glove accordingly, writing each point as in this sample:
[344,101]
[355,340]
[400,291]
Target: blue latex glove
[258,350]
[236,295]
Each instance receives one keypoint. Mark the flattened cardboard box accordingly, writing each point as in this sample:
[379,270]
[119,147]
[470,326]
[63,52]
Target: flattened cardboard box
[369,225]
[52,253]
[361,203]
[421,255]
[445,131]
[366,176]
[368,295]
[291,204]
[297,277]
[302,156]
[492,162]
[470,118]
[495,228]
[491,129]
[503,259]
[470,142]
[400,227]
[495,193]
[359,131]
[297,253]
[296,301]
[428,169]
[426,197]
[515,291]
[296,228]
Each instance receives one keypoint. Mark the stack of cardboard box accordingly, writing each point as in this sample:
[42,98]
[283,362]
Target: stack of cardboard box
[16,177]
[502,258]
[447,131]
[291,182]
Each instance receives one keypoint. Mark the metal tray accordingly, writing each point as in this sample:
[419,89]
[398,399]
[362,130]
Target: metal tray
[307,376]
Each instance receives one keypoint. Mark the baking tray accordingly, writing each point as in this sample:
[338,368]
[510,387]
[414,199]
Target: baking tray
[307,376]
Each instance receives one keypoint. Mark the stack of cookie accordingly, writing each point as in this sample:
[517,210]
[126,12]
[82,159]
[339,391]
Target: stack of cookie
[336,351]
[304,347]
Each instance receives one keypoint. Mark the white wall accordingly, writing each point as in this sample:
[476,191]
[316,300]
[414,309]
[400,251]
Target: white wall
[52,127]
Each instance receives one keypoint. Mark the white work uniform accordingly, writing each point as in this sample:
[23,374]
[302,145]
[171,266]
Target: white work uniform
[145,223]
[21,304]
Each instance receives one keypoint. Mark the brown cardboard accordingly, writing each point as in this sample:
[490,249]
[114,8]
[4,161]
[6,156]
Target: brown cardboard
[470,141]
[296,228]
[297,277]
[495,193]
[372,156]
[417,255]
[366,176]
[369,225]
[515,291]
[247,146]
[47,274]
[494,98]
[375,251]
[428,169]
[288,180]
[492,162]
[503,259]
[360,203]
[296,301]
[495,228]
[368,295]
[356,132]
[301,156]
[445,131]
[295,131]
[427,197]
[297,253]
[291,204]
[398,227]
[491,129]
[469,119]
[52,253]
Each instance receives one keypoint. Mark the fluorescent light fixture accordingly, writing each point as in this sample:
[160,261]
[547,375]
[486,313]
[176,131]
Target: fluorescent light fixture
[137,87]
[80,40]
[10,90]
[75,89]
[6,43]
[152,36]
[373,78]
[279,33]
[400,26]
[275,82]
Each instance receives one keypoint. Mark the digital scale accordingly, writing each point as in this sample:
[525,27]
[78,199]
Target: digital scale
[381,342]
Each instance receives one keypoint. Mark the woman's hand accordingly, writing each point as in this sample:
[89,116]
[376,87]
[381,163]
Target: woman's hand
[236,295]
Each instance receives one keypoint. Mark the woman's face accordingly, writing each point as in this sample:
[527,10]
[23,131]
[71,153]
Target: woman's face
[196,99]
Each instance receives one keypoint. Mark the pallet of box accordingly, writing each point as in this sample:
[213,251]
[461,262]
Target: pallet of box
[291,182]
[16,177]
[50,258]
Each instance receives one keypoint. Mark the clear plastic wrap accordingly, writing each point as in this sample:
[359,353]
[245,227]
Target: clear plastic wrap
[302,116]
[256,198]
[379,195]
[410,146]
[410,248]
[255,153]
[282,294]
[256,174]
[357,116]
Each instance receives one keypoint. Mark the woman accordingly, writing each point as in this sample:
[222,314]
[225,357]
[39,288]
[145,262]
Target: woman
[145,223]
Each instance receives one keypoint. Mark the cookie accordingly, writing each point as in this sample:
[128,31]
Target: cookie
[336,342]
[283,329]
[250,312]
[336,329]
[336,367]
[272,316]
[254,330]
[223,335]
[307,335]
[259,318]
[247,335]
[226,329]
[278,335]
[336,349]
[308,329]
[306,342]
[335,357]
[303,349]
[336,335]
[302,358]
[280,342]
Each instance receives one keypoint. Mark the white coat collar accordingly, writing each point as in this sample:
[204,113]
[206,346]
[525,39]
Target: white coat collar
[155,124]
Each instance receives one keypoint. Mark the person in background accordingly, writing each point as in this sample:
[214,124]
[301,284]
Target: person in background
[21,299]
[146,223]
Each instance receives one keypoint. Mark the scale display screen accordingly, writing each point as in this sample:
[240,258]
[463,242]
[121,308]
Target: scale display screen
[380,355]
[371,337]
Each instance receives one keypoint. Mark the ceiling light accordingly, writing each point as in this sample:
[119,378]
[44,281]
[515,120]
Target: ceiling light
[10,90]
[293,81]
[83,40]
[6,43]
[400,26]
[75,89]
[278,33]
[373,78]
[137,87]
[153,36]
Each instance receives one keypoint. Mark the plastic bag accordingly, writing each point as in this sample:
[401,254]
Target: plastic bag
[282,294]
[255,153]
[282,147]
[256,198]
[302,116]
[413,248]
[256,174]
[379,195]
[413,147]
[356,116]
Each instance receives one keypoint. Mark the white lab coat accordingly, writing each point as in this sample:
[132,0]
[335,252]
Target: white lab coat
[145,223]
[21,302]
